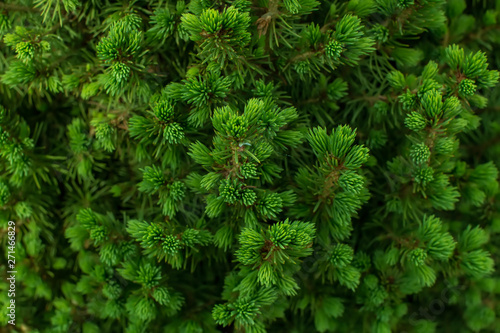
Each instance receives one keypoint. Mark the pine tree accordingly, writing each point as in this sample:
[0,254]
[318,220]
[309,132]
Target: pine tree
[250,166]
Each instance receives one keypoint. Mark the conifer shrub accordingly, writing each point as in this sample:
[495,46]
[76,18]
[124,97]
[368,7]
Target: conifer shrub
[250,166]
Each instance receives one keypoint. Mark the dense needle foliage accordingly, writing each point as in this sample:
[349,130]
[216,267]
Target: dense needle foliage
[251,166]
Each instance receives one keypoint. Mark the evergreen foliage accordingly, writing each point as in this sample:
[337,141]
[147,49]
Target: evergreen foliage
[251,166]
